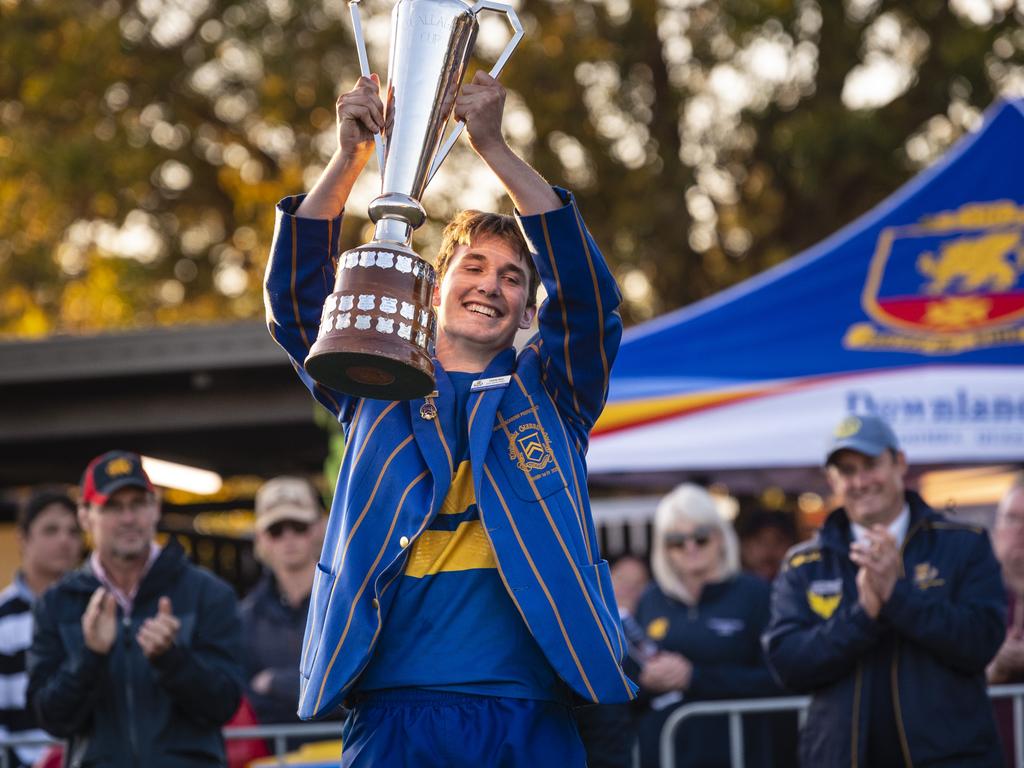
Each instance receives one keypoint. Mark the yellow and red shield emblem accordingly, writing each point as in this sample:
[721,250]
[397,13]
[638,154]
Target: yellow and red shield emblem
[950,274]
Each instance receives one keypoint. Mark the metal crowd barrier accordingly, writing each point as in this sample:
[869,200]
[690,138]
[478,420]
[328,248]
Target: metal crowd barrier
[276,734]
[735,709]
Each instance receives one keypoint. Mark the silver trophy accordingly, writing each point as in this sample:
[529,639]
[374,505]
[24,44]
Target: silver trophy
[377,328]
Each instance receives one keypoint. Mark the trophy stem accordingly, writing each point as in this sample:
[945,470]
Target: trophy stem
[393,231]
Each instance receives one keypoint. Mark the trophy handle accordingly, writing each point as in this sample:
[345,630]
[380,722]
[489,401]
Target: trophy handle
[517,28]
[364,69]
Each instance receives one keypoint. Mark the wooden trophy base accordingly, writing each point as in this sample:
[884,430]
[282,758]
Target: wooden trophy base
[376,373]
[377,329]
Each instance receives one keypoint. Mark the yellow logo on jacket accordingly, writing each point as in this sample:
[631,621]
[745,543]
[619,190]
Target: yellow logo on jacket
[657,628]
[824,596]
[823,605]
[529,447]
[803,558]
[926,576]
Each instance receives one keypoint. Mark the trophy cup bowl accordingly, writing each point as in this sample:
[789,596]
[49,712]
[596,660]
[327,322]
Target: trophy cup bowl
[377,328]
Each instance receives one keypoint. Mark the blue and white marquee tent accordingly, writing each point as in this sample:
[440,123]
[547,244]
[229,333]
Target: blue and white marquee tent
[915,311]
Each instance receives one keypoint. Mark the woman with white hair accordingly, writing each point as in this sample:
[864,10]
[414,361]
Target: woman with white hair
[706,618]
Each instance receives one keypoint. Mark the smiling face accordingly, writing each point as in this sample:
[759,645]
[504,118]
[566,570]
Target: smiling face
[123,527]
[481,302]
[870,488]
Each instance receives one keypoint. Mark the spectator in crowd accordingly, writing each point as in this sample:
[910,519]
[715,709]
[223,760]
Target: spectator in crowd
[135,656]
[289,532]
[50,543]
[459,605]
[630,578]
[765,537]
[706,618]
[609,731]
[888,618]
[1008,665]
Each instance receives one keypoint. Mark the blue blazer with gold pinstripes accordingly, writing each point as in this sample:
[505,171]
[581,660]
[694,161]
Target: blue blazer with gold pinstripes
[397,466]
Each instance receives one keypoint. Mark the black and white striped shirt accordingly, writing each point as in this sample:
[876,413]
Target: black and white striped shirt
[15,638]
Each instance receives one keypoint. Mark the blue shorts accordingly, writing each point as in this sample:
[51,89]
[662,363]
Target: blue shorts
[416,728]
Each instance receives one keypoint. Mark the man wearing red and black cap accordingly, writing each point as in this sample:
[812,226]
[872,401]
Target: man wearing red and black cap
[134,659]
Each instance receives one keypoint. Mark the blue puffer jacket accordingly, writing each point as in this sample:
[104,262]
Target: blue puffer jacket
[720,637]
[272,640]
[120,709]
[945,621]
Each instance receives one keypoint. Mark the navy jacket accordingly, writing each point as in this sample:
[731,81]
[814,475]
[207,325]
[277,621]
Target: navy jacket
[120,709]
[272,639]
[720,636]
[944,621]
[528,437]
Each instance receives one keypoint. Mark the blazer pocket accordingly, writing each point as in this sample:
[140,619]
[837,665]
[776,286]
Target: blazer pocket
[528,462]
[323,583]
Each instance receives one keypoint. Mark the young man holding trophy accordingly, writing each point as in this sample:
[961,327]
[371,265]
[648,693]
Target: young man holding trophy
[460,606]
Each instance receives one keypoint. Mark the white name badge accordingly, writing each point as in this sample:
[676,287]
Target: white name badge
[492,383]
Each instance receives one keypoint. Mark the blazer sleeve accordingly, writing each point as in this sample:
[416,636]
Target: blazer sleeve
[806,652]
[62,684]
[299,277]
[579,323]
[966,630]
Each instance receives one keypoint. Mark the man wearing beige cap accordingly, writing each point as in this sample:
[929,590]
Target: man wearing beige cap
[289,533]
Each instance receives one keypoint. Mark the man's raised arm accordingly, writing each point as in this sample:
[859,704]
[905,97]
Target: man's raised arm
[360,114]
[480,105]
[579,323]
[300,272]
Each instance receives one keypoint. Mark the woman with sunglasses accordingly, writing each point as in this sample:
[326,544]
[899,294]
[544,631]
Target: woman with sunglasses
[706,618]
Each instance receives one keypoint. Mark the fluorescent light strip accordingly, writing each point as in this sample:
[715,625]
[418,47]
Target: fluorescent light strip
[181,476]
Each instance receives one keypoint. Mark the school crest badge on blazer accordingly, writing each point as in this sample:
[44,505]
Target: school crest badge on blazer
[529,448]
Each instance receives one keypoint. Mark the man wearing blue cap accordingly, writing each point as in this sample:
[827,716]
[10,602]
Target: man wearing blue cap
[888,617]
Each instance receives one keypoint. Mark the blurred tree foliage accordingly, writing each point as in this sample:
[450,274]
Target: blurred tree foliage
[143,144]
